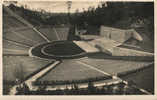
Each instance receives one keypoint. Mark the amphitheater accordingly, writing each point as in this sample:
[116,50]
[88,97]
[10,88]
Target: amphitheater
[20,37]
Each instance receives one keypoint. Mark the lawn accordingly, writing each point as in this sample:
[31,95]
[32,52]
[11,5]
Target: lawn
[63,48]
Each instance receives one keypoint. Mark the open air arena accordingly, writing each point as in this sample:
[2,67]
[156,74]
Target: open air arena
[44,60]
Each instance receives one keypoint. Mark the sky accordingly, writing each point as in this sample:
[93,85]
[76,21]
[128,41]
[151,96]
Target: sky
[58,6]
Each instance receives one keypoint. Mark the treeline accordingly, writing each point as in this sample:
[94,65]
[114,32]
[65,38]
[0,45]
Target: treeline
[39,18]
[114,14]
[105,14]
[124,15]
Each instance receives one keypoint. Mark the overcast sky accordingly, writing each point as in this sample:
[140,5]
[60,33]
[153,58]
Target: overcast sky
[58,6]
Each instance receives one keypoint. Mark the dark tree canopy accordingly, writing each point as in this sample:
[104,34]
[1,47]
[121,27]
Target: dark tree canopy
[115,14]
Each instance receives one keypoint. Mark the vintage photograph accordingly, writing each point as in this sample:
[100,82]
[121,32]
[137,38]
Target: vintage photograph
[78,48]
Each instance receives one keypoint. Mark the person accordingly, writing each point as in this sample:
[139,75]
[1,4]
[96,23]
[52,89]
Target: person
[25,88]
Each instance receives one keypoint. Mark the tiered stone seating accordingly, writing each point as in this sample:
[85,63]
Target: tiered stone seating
[70,70]
[17,37]
[20,65]
[32,35]
[62,33]
[14,48]
[49,33]
[115,66]
[11,22]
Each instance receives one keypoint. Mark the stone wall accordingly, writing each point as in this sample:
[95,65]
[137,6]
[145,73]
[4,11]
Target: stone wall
[117,51]
[115,34]
[119,35]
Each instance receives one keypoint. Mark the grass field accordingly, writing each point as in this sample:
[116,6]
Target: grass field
[63,48]
[13,66]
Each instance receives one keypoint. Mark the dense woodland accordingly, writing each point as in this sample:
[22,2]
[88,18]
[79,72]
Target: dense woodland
[116,14]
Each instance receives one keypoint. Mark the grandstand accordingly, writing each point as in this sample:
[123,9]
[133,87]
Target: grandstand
[64,70]
[81,70]
[62,33]
[115,66]
[20,38]
[14,64]
[49,32]
[11,22]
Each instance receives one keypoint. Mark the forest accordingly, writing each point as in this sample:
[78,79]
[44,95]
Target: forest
[122,15]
